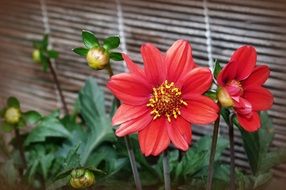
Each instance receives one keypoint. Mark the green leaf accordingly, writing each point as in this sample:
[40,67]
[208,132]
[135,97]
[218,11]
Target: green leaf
[217,68]
[111,42]
[31,117]
[45,42]
[81,51]
[211,95]
[272,159]
[116,56]
[6,127]
[89,39]
[256,144]
[53,54]
[13,102]
[261,179]
[48,127]
[45,163]
[92,109]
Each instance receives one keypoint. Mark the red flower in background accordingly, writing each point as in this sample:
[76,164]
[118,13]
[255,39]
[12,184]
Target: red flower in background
[160,100]
[241,87]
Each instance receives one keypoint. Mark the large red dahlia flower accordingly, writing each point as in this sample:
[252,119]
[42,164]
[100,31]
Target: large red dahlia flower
[161,100]
[240,84]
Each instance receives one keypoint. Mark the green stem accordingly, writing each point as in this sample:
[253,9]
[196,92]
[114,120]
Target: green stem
[232,156]
[213,151]
[64,104]
[20,149]
[166,169]
[128,146]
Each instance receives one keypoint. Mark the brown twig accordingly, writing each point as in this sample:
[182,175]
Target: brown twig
[65,108]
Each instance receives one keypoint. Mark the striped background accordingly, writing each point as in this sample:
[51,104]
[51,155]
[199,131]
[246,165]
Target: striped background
[214,27]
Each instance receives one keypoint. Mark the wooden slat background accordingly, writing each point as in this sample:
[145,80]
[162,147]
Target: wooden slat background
[215,29]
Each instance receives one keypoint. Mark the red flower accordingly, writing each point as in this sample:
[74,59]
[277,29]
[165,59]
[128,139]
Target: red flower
[241,83]
[160,100]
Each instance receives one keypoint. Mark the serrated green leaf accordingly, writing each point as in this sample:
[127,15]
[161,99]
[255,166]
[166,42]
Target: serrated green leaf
[111,42]
[31,117]
[48,127]
[116,56]
[53,54]
[89,39]
[13,102]
[217,68]
[45,163]
[92,108]
[81,51]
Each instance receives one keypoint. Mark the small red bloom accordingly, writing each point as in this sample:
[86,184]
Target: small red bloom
[242,81]
[160,100]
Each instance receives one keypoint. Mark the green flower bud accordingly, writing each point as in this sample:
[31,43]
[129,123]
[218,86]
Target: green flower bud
[36,56]
[12,115]
[81,178]
[97,58]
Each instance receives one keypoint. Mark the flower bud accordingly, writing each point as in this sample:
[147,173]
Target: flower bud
[97,58]
[81,178]
[12,115]
[224,98]
[36,56]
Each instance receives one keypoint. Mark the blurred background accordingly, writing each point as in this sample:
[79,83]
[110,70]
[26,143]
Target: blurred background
[215,29]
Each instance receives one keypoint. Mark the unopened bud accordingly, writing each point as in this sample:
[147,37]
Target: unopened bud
[81,178]
[224,98]
[97,58]
[12,115]
[36,56]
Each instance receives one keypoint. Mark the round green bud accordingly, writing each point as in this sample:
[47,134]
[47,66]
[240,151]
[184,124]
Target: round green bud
[12,115]
[36,56]
[81,178]
[97,58]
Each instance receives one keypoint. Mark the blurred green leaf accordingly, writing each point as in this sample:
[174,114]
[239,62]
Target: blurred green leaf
[271,159]
[48,127]
[53,54]
[13,102]
[217,68]
[257,144]
[92,109]
[116,56]
[45,42]
[89,39]
[31,117]
[81,51]
[261,179]
[6,127]
[111,42]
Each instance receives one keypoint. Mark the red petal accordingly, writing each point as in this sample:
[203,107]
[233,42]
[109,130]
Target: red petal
[151,136]
[179,59]
[259,75]
[134,125]
[259,97]
[251,124]
[227,73]
[155,68]
[128,112]
[197,81]
[130,89]
[245,56]
[200,110]
[180,133]
[132,67]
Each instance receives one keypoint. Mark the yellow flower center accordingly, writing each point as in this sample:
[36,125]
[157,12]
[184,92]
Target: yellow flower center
[166,100]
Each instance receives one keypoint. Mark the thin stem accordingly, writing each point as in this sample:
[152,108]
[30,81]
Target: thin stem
[21,149]
[133,163]
[213,151]
[232,157]
[166,169]
[66,111]
[128,145]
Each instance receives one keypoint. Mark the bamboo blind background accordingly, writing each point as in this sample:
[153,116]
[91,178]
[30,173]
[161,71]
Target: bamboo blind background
[214,27]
